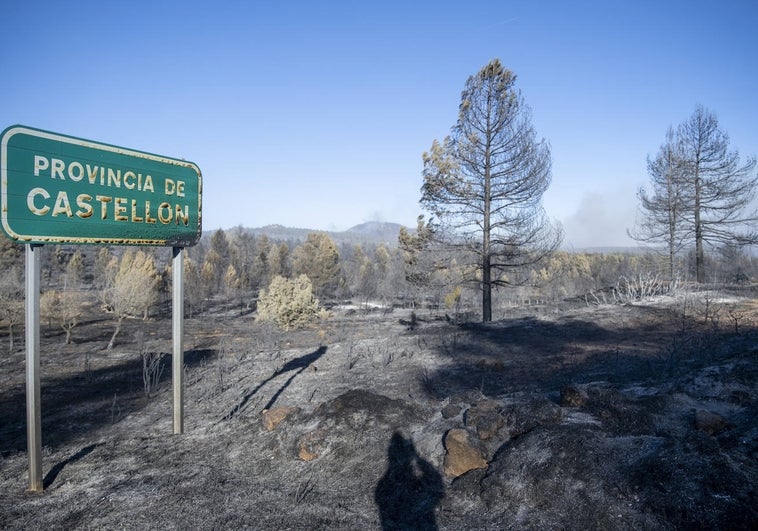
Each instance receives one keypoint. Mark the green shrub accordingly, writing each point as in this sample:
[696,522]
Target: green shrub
[289,302]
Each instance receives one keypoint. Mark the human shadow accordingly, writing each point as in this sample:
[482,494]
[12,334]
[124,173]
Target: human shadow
[410,489]
[298,364]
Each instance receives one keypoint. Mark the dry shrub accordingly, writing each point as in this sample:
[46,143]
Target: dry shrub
[289,303]
[643,286]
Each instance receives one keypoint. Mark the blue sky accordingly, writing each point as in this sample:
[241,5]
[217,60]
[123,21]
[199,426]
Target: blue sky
[315,114]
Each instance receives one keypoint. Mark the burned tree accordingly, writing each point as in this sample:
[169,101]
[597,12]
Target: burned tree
[662,208]
[701,192]
[720,187]
[484,183]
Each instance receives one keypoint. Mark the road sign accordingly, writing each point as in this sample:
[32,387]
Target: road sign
[62,189]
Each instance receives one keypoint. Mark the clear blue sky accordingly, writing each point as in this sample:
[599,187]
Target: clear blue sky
[315,114]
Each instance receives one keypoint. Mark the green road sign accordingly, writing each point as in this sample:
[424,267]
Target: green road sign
[62,189]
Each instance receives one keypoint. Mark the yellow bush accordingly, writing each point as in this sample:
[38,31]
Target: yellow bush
[289,302]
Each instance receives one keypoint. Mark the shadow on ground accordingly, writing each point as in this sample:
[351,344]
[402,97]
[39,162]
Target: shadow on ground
[529,354]
[75,404]
[410,489]
[298,365]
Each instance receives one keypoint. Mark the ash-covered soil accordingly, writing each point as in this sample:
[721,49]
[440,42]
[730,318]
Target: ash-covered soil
[573,417]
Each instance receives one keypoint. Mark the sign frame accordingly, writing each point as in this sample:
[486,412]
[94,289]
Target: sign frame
[38,202]
[56,164]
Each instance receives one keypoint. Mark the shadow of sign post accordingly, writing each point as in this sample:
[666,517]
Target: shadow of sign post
[298,365]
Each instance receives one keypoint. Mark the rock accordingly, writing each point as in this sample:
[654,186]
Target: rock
[272,417]
[311,444]
[708,422]
[451,410]
[573,396]
[461,455]
[362,410]
[485,418]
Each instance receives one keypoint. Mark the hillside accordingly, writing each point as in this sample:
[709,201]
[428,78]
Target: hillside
[372,232]
[577,416]
[376,232]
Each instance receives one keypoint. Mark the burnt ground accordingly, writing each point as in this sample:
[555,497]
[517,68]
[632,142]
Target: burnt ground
[581,417]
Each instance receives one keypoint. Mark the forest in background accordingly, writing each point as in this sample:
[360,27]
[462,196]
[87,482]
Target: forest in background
[228,270]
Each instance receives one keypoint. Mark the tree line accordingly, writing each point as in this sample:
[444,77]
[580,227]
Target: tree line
[228,270]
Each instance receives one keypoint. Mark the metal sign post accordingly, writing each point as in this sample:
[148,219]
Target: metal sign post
[177,358]
[33,409]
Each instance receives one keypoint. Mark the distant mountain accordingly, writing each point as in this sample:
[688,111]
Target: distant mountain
[378,231]
[280,232]
[371,232]
[610,250]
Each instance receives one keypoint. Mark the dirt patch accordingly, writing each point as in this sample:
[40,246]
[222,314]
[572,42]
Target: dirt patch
[368,404]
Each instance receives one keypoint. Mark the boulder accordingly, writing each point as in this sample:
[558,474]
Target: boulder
[461,455]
